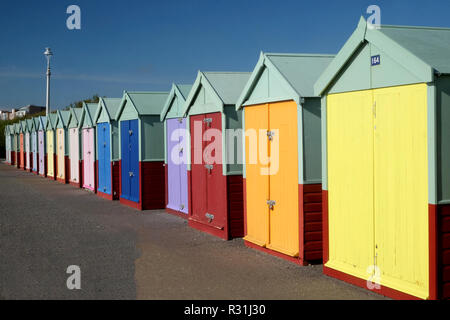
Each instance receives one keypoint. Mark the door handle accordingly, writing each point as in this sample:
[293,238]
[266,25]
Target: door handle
[209,167]
[271,204]
[270,135]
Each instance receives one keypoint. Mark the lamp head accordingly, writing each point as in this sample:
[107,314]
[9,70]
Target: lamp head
[48,52]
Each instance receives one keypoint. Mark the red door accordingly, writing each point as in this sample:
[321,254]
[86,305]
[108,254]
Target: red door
[198,172]
[208,187]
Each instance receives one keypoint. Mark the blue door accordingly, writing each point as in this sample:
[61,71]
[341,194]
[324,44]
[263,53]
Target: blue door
[134,160]
[129,146]
[104,163]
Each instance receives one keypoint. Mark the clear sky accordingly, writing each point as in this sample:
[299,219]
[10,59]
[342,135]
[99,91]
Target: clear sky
[147,45]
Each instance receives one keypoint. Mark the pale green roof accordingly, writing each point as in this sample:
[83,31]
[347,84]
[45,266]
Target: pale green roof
[145,102]
[148,103]
[423,51]
[225,87]
[29,124]
[51,121]
[111,106]
[228,85]
[87,115]
[181,91]
[431,45]
[299,71]
[64,116]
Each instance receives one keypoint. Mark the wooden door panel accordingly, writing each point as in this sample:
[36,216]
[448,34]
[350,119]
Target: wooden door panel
[257,184]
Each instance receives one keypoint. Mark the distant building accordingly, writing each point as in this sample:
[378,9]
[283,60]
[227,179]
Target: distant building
[4,114]
[21,112]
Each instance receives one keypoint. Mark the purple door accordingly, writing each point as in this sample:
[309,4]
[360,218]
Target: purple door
[176,166]
[41,142]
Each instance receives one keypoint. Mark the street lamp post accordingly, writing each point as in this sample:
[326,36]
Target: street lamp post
[48,53]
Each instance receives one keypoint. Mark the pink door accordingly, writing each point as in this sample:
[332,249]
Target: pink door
[74,155]
[88,158]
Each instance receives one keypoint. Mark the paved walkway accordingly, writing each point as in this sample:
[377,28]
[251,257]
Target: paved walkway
[46,226]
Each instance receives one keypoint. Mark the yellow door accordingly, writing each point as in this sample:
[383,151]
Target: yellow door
[257,184]
[283,218]
[401,188]
[60,153]
[50,151]
[350,182]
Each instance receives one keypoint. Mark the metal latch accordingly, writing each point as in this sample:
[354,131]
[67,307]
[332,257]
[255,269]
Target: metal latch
[131,174]
[209,216]
[181,206]
[271,204]
[181,149]
[208,121]
[130,132]
[270,134]
[209,167]
[180,120]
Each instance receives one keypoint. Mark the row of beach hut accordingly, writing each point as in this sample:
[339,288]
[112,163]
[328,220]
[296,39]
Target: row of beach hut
[362,178]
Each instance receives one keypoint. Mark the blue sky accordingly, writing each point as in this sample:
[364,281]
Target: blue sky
[147,45]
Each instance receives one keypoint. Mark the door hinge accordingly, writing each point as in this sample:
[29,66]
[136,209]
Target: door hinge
[374,109]
[209,167]
[271,204]
[208,121]
[270,134]
[210,217]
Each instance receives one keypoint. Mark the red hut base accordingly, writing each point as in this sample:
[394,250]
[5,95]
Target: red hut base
[233,209]
[151,186]
[115,183]
[13,158]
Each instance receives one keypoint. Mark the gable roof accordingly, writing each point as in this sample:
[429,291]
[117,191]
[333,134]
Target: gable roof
[423,51]
[42,123]
[224,86]
[63,117]
[300,71]
[75,115]
[51,121]
[36,123]
[180,91]
[87,114]
[144,102]
[110,105]
[29,125]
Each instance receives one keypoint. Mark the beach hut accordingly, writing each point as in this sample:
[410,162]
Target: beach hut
[50,129]
[281,117]
[62,146]
[42,146]
[35,145]
[75,147]
[29,155]
[17,143]
[215,174]
[7,145]
[108,148]
[175,151]
[87,128]
[385,175]
[22,144]
[141,149]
